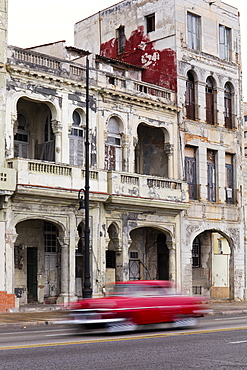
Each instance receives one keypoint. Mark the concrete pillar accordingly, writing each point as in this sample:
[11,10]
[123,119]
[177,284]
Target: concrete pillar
[3,61]
[169,152]
[64,295]
[10,238]
[57,130]
[172,261]
[125,143]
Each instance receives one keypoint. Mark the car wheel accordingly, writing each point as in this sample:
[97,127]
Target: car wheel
[125,326]
[189,322]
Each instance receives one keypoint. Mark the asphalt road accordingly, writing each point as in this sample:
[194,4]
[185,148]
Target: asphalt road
[217,343]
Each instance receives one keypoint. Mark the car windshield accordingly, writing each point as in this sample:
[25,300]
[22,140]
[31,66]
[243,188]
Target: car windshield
[138,290]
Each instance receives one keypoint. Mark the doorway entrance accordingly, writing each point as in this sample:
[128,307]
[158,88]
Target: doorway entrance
[32,274]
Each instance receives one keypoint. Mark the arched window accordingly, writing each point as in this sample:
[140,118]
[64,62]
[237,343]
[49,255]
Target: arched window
[210,101]
[113,150]
[190,97]
[76,141]
[228,105]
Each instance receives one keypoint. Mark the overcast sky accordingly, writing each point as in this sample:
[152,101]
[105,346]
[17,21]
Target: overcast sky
[33,22]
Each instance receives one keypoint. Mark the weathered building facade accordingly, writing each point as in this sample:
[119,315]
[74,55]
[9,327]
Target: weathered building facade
[165,153]
[193,48]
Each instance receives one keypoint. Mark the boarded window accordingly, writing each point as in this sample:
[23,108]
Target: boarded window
[150,21]
[224,42]
[229,179]
[190,97]
[190,171]
[193,31]
[211,176]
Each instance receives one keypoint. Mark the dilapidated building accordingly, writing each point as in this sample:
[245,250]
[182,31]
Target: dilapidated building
[165,153]
[192,48]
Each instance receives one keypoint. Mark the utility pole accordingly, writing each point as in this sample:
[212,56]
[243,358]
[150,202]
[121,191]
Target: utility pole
[87,291]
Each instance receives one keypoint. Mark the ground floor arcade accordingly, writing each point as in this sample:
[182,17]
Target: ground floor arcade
[44,252]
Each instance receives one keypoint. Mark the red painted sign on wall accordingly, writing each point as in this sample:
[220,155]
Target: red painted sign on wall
[160,65]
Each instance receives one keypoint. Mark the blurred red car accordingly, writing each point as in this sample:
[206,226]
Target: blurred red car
[130,305]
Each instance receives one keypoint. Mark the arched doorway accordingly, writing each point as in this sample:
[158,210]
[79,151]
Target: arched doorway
[148,255]
[113,255]
[211,259]
[37,262]
[34,137]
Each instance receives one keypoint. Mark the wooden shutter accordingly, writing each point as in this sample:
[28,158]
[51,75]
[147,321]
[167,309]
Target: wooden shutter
[190,100]
[110,158]
[209,106]
[229,184]
[211,182]
[190,176]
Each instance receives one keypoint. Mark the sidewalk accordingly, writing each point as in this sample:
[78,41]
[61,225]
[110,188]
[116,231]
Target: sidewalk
[49,314]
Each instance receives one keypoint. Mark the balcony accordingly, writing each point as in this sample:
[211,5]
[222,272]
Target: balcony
[33,176]
[166,192]
[55,178]
[38,64]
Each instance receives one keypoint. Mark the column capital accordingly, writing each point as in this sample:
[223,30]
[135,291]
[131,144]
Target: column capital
[168,148]
[56,127]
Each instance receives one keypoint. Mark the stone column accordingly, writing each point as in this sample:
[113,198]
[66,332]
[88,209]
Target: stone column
[125,143]
[169,149]
[172,261]
[57,130]
[10,238]
[63,297]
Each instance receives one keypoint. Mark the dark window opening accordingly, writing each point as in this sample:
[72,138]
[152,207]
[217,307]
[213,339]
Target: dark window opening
[111,259]
[111,80]
[210,102]
[150,19]
[190,97]
[196,253]
[228,106]
[121,39]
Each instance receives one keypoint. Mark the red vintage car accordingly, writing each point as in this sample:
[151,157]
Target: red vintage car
[131,305]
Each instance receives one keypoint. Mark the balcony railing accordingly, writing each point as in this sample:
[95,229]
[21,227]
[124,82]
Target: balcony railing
[65,68]
[55,176]
[144,186]
[35,173]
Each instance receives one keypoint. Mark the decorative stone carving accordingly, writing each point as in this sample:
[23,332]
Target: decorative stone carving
[168,148]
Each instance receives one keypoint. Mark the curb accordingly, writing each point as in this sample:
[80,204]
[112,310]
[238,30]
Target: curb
[44,322]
